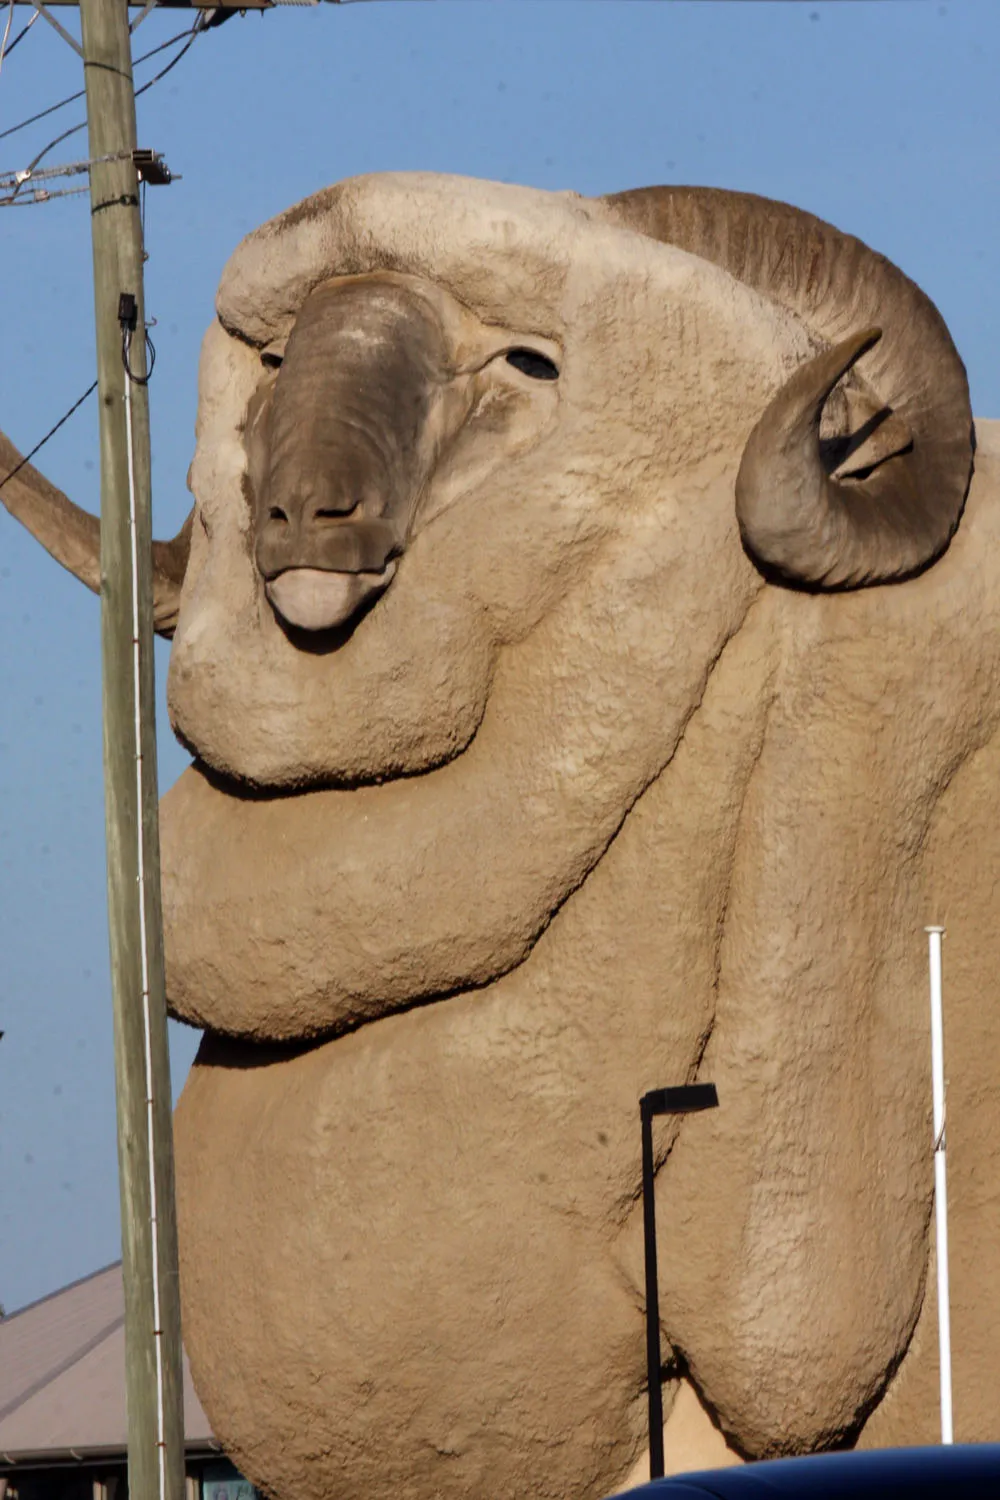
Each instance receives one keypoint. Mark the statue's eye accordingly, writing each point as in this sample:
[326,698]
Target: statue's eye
[530,362]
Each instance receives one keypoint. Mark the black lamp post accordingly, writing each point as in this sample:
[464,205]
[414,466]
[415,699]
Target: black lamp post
[685,1100]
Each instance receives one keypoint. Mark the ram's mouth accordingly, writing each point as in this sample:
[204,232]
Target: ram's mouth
[318,599]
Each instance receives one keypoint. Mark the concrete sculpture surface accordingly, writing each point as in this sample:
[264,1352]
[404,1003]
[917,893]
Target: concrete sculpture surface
[588,637]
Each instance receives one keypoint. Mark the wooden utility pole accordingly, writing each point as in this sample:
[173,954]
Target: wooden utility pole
[153,1368]
[142,1064]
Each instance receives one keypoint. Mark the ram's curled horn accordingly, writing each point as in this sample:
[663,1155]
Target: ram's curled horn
[897,506]
[796,518]
[73,536]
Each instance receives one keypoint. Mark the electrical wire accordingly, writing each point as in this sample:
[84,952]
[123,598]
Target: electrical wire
[25,176]
[188,37]
[23,125]
[23,32]
[71,98]
[51,433]
[127,356]
[13,182]
[199,26]
[40,195]
[69,169]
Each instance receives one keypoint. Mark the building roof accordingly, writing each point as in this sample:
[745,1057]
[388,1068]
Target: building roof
[62,1376]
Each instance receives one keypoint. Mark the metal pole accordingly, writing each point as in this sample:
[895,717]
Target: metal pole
[934,936]
[654,1389]
[142,1067]
[685,1099]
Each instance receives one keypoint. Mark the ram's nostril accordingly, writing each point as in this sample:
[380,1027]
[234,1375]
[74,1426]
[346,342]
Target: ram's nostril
[277,514]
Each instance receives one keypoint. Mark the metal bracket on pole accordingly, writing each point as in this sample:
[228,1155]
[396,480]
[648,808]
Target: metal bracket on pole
[67,36]
[151,167]
[684,1100]
[149,5]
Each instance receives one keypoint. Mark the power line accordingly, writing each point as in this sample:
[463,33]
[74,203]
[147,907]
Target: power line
[40,195]
[51,433]
[144,160]
[200,25]
[13,129]
[150,164]
[26,173]
[71,98]
[23,177]
[22,33]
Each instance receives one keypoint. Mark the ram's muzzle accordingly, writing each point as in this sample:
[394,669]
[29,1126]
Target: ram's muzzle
[337,450]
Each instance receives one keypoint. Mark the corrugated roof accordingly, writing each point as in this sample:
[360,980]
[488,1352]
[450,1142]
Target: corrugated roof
[62,1374]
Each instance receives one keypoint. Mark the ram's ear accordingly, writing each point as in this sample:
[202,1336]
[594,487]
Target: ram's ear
[170,560]
[73,536]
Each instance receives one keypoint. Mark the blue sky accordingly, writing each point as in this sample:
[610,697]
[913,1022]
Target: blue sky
[883,117]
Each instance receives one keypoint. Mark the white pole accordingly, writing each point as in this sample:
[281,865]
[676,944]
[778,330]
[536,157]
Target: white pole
[934,936]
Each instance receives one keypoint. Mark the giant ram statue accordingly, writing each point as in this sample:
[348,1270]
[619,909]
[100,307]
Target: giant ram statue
[588,640]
